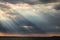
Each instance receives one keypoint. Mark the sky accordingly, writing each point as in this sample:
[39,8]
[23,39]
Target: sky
[30,16]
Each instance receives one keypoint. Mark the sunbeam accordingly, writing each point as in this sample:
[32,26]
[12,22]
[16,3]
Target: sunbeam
[14,17]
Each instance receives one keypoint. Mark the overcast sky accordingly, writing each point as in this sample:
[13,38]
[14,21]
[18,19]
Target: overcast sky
[29,16]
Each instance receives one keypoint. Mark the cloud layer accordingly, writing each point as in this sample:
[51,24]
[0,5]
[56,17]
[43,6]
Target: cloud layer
[23,17]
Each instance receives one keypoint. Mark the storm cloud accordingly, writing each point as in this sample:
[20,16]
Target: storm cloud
[19,16]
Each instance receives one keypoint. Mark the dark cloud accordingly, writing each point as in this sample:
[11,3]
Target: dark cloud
[57,7]
[24,1]
[30,1]
[48,1]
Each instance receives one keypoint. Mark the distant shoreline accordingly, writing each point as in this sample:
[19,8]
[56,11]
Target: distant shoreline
[31,35]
